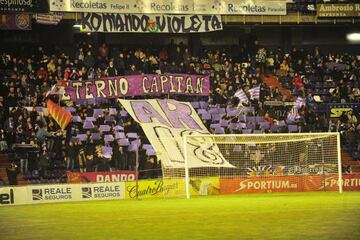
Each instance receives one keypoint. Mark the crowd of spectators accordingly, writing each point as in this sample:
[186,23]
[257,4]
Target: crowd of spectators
[318,78]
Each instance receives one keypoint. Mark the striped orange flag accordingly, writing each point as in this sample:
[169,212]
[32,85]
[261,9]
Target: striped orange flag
[61,116]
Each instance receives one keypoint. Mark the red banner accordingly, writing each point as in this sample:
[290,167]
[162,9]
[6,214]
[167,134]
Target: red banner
[15,21]
[270,184]
[117,176]
[61,115]
[351,182]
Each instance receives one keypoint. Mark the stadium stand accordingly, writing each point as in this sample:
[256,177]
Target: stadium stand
[307,79]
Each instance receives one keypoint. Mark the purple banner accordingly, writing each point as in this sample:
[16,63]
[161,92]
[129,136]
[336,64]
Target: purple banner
[15,22]
[138,85]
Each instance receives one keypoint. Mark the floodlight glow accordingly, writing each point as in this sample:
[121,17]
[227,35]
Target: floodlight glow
[77,26]
[353,37]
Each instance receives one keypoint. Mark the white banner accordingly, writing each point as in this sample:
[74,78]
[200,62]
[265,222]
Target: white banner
[13,196]
[222,7]
[165,123]
[106,22]
[33,194]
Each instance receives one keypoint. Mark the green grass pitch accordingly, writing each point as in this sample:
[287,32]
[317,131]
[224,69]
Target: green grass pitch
[327,215]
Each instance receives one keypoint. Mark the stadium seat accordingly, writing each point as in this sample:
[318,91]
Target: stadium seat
[90,119]
[219,130]
[216,117]
[82,137]
[119,128]
[76,119]
[206,116]
[132,135]
[104,128]
[204,105]
[195,105]
[264,125]
[202,111]
[246,131]
[88,125]
[98,111]
[150,152]
[119,135]
[124,142]
[224,123]
[123,113]
[96,136]
[292,128]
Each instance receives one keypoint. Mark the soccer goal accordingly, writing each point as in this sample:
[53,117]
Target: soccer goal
[259,163]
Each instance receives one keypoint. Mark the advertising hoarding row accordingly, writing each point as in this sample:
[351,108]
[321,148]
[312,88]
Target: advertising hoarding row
[33,194]
[170,188]
[221,7]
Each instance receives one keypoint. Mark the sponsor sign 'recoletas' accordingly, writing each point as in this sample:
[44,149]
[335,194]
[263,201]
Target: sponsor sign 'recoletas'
[221,7]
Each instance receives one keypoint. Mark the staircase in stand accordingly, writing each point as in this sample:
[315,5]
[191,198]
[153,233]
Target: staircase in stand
[4,163]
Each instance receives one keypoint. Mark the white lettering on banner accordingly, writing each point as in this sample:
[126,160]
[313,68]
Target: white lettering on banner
[201,7]
[266,185]
[165,123]
[347,182]
[115,177]
[51,193]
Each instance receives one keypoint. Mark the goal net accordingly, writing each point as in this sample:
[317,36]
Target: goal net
[259,163]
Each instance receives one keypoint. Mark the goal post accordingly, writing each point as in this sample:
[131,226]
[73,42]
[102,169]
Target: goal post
[291,162]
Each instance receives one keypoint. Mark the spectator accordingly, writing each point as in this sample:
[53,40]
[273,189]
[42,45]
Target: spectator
[120,64]
[89,60]
[44,163]
[12,172]
[81,157]
[70,156]
[111,70]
